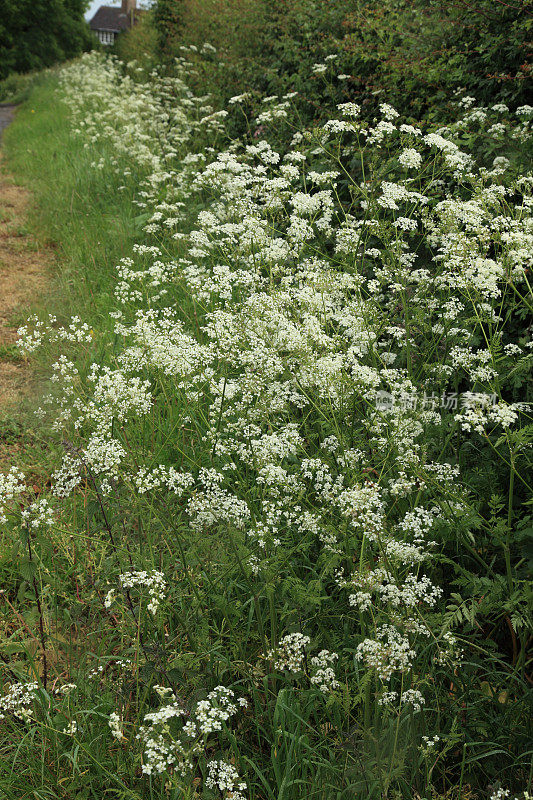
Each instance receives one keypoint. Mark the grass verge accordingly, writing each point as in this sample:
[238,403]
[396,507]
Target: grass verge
[77,208]
[78,211]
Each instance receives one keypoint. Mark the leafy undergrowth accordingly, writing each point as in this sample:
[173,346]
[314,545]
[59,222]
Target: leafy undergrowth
[283,550]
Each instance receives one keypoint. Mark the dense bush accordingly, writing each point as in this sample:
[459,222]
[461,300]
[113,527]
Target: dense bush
[168,20]
[414,52]
[139,43]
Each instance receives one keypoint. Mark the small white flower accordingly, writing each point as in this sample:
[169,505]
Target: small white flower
[71,728]
[116,726]
[410,158]
[290,652]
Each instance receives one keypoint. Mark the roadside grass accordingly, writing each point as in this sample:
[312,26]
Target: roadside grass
[18,86]
[91,225]
[80,214]
[88,217]
[76,208]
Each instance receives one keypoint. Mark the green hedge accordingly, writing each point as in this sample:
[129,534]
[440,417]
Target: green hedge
[412,52]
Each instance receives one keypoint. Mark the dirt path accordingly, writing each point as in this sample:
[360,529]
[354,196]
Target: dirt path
[7,112]
[23,277]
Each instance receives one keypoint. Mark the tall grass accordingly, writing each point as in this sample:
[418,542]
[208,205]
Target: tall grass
[77,208]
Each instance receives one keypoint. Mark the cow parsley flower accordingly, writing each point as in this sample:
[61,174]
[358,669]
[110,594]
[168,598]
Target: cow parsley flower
[11,486]
[18,700]
[324,675]
[290,652]
[116,726]
[410,158]
[71,729]
[153,581]
[225,778]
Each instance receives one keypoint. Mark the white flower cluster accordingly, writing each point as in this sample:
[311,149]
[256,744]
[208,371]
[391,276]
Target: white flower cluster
[413,697]
[146,480]
[39,514]
[410,158]
[505,794]
[429,743]
[18,701]
[154,581]
[478,413]
[31,338]
[166,750]
[71,729]
[389,652]
[225,778]
[210,714]
[290,652]
[290,655]
[162,752]
[215,504]
[11,486]
[414,591]
[115,725]
[66,688]
[450,651]
[324,674]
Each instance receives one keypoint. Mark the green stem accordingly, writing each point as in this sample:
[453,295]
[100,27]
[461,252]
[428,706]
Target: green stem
[507,548]
[368,705]
[396,735]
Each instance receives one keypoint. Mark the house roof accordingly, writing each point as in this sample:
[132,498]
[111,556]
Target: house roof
[108,18]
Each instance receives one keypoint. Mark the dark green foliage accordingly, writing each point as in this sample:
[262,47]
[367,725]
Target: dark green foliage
[168,16]
[418,51]
[414,53]
[38,33]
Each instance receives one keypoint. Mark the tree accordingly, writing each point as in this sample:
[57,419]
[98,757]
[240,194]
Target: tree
[38,33]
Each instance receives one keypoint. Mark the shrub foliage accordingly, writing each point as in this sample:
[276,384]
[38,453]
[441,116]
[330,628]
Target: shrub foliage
[413,52]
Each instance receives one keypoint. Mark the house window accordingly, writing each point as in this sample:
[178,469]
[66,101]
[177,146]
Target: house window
[106,37]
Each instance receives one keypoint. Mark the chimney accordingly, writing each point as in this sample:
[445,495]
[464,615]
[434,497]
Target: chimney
[128,6]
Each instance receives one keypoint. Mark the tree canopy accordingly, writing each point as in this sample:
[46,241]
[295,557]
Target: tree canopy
[38,33]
